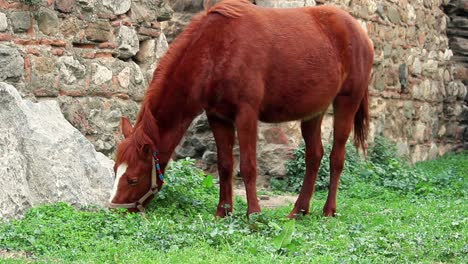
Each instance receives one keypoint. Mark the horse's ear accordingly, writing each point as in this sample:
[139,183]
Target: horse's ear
[126,126]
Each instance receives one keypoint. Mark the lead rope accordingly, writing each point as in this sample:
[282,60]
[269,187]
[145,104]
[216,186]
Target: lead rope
[154,184]
[157,166]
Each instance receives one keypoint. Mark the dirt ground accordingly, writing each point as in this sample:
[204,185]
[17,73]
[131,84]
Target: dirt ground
[15,255]
[270,201]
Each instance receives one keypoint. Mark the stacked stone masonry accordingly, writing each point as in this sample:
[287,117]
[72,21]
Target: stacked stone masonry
[457,31]
[96,59]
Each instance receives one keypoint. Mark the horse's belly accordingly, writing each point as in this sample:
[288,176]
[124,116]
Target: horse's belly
[290,110]
[300,99]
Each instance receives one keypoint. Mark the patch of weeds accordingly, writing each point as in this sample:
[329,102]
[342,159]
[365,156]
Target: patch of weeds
[187,189]
[296,170]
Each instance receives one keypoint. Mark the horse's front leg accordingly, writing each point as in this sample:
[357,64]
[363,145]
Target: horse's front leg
[246,124]
[223,133]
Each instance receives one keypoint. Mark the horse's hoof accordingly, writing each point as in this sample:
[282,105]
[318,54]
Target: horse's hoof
[295,214]
[223,212]
[253,211]
[329,212]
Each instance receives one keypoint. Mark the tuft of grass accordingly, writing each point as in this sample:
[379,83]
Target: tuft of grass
[376,223]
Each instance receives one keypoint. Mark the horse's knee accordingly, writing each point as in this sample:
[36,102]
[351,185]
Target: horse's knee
[337,159]
[225,167]
[248,165]
[249,173]
[316,154]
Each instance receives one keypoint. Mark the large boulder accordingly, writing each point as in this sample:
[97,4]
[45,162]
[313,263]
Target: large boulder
[44,159]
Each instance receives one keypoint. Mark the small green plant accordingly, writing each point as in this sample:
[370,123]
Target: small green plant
[284,239]
[31,2]
[296,170]
[187,188]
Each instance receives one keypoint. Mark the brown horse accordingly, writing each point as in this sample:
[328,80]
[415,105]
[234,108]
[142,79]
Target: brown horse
[241,63]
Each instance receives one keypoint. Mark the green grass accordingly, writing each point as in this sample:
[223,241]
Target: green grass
[376,223]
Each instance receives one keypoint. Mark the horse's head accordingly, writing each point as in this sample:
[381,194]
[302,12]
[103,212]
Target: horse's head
[137,177]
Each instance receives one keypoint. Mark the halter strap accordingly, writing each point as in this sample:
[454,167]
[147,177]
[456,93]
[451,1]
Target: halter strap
[156,169]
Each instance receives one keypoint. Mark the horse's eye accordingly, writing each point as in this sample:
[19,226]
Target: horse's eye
[132,182]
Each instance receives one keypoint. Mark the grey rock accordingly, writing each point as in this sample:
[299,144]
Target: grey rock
[200,124]
[118,7]
[3,22]
[460,45]
[456,89]
[124,77]
[210,157]
[403,70]
[417,67]
[71,69]
[165,13]
[393,15]
[145,11]
[127,42]
[43,159]
[87,5]
[161,46]
[175,26]
[192,6]
[65,6]
[138,83]
[408,110]
[379,83]
[20,21]
[146,53]
[47,21]
[101,74]
[285,3]
[186,149]
[100,31]
[460,22]
[11,63]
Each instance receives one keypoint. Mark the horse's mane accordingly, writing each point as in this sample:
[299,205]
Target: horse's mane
[226,8]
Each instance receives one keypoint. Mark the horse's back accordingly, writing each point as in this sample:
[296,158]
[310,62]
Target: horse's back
[315,37]
[299,56]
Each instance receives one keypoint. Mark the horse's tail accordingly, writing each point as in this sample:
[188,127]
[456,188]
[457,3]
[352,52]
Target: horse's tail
[361,123]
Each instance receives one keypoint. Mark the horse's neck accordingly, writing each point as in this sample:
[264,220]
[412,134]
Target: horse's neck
[173,110]
[175,96]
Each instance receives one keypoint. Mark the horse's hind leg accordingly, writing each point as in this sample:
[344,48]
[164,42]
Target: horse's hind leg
[223,133]
[344,110]
[311,132]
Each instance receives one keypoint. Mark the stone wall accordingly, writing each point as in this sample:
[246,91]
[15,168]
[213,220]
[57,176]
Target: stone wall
[457,31]
[94,57]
